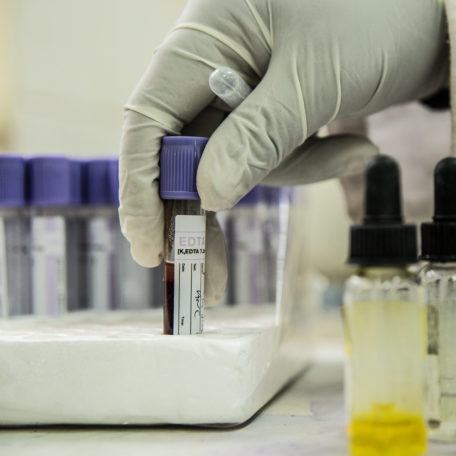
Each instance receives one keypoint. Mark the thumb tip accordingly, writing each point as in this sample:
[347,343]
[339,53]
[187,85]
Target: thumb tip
[214,192]
[145,255]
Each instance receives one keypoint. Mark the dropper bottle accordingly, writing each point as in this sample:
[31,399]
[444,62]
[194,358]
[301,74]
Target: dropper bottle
[438,278]
[384,321]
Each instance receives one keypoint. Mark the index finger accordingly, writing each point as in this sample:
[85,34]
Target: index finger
[172,92]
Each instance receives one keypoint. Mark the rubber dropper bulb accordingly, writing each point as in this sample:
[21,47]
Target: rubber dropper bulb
[382,202]
[445,190]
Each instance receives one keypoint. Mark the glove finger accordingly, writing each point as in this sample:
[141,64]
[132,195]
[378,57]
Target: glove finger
[141,209]
[253,140]
[320,159]
[171,93]
[216,263]
[164,101]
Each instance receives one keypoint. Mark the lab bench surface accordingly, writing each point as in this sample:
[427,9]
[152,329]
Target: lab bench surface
[305,419]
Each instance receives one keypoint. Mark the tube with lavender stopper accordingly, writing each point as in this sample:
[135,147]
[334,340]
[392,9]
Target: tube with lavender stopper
[102,267]
[15,289]
[185,235]
[57,235]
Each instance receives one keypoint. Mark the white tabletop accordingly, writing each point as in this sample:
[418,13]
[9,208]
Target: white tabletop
[306,419]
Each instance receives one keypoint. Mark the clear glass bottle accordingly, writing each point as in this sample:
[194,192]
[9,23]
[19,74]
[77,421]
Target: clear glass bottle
[184,235]
[15,275]
[57,236]
[385,342]
[439,282]
[385,326]
[438,278]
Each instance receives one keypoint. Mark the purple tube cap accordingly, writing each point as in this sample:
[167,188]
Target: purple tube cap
[96,179]
[12,181]
[54,181]
[179,160]
[255,196]
[114,182]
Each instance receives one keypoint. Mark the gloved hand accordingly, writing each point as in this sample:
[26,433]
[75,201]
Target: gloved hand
[311,62]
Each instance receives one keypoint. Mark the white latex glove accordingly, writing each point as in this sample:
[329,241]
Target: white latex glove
[311,61]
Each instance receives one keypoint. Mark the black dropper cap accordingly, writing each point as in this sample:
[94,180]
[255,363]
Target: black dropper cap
[383,239]
[439,237]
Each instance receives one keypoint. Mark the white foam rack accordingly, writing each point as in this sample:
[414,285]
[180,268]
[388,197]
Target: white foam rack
[118,369]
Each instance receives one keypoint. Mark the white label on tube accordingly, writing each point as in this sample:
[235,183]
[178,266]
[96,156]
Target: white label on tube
[101,264]
[189,263]
[49,265]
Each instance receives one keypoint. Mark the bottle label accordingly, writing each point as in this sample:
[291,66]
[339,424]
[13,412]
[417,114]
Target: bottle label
[189,269]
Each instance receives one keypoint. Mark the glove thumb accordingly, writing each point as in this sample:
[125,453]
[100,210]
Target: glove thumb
[253,140]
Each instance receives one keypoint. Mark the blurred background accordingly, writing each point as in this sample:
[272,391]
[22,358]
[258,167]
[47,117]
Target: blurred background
[67,67]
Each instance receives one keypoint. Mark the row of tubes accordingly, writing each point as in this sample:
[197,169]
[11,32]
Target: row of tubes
[61,246]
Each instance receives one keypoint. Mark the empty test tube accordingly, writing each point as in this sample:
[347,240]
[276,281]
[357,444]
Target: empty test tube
[15,275]
[57,236]
[185,235]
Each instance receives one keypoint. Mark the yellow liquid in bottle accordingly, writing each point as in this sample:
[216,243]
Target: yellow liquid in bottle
[386,349]
[387,432]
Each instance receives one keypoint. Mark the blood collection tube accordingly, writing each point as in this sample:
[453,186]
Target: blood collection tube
[15,275]
[57,233]
[103,281]
[185,235]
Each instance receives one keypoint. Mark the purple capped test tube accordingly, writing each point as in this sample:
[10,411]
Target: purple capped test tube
[140,288]
[57,235]
[15,275]
[103,280]
[185,235]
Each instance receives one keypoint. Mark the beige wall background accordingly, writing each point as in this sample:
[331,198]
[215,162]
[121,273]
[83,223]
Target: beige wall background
[71,67]
[5,81]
